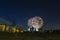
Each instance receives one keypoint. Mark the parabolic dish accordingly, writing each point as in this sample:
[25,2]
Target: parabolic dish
[36,22]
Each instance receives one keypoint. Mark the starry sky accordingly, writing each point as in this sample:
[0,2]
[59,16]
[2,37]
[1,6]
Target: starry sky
[21,11]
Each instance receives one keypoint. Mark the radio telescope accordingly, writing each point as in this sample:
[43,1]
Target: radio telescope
[35,22]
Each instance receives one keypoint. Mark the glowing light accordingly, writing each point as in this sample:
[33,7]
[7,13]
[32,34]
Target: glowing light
[13,29]
[21,31]
[7,28]
[36,22]
[17,30]
[2,27]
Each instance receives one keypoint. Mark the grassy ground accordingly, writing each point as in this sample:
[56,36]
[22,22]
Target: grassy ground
[29,36]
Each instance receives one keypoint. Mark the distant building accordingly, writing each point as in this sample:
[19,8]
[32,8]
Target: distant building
[14,30]
[2,28]
[8,26]
[5,25]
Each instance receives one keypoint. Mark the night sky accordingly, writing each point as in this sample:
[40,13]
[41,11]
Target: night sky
[21,11]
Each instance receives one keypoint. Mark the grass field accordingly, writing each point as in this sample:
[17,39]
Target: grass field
[29,36]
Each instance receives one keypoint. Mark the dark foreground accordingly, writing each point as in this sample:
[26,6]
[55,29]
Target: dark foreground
[29,36]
